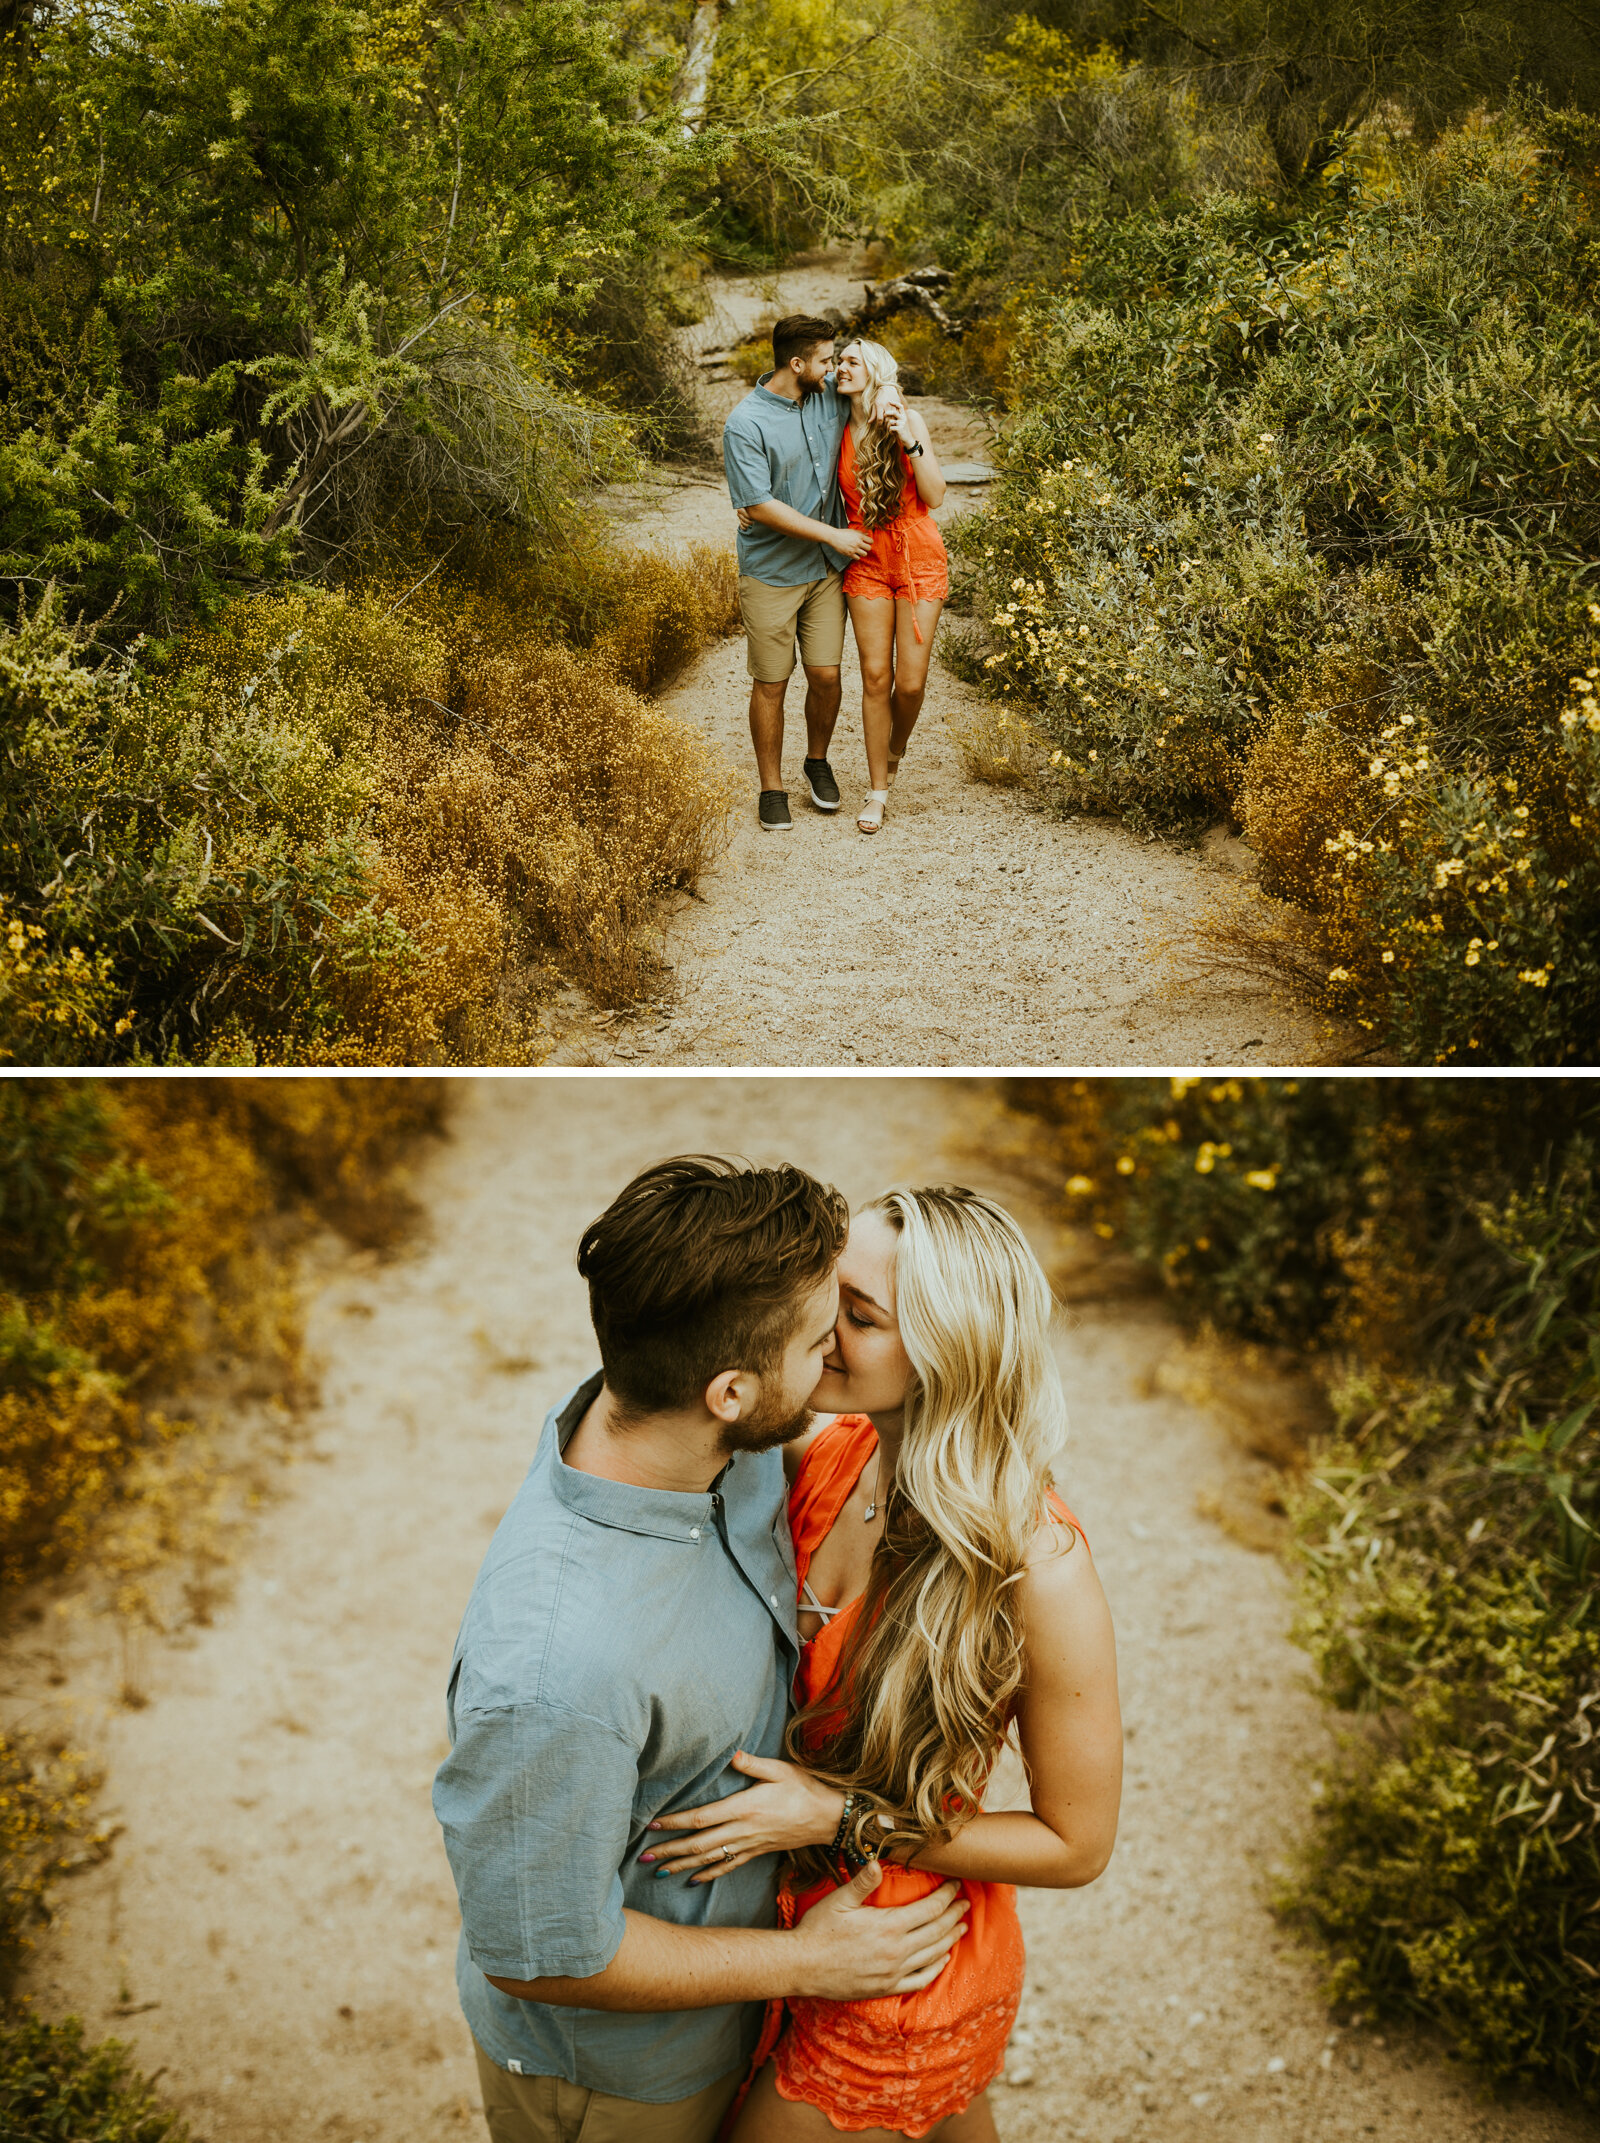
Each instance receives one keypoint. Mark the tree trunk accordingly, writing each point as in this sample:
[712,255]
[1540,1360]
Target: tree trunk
[694,78]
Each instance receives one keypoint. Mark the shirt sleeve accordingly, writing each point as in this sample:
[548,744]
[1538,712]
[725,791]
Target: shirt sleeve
[745,464]
[536,1804]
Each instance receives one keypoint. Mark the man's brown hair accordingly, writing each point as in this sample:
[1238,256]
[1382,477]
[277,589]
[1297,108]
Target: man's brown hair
[701,1265]
[798,336]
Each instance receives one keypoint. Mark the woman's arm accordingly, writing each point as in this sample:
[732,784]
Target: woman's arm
[1070,1727]
[911,432]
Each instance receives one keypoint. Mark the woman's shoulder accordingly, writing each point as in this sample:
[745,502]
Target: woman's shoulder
[1057,1541]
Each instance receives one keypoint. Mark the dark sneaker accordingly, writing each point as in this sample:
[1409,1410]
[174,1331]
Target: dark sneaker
[773,811]
[819,780]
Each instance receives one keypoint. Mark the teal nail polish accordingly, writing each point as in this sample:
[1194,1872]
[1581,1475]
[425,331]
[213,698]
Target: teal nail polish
[662,1874]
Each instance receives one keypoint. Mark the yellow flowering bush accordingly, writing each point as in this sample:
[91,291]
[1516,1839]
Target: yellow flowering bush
[1259,555]
[1432,1246]
[132,1221]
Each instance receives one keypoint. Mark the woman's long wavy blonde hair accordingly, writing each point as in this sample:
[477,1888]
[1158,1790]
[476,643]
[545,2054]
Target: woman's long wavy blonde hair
[934,1662]
[880,472]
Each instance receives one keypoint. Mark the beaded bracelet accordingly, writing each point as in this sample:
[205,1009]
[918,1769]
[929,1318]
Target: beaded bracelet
[843,1831]
[855,1861]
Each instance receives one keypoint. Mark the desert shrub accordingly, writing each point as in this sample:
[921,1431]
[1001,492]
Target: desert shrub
[1297,530]
[1433,1246]
[167,860]
[45,1826]
[1448,1539]
[202,394]
[250,852]
[539,818]
[139,1222]
[1335,1215]
[56,2089]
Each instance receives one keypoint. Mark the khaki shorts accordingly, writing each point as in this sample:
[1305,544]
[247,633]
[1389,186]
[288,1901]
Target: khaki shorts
[548,2109]
[774,618]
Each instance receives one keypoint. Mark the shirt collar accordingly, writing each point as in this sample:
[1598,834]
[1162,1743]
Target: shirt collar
[662,1513]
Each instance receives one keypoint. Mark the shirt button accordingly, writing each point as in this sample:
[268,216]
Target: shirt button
[694,1532]
[773,1597]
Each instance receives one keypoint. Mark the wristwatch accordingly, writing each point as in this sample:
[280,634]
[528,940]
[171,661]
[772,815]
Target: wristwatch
[915,447]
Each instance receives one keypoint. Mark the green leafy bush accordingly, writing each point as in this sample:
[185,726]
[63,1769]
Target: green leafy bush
[56,2089]
[1299,528]
[279,276]
[258,851]
[1449,1538]
[1433,1246]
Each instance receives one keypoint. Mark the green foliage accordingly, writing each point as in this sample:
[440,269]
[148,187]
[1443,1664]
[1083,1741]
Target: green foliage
[1299,528]
[56,2089]
[131,1221]
[273,271]
[1435,1245]
[249,854]
[1449,1539]
[166,859]
[1330,1214]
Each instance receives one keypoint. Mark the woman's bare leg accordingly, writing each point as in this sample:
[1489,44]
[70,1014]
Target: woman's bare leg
[873,617]
[911,660]
[974,2124]
[767,2118]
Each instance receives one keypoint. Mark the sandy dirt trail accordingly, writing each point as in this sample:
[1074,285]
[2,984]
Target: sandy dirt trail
[974,929]
[278,1915]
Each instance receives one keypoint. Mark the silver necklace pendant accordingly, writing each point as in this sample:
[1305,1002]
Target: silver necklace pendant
[872,1512]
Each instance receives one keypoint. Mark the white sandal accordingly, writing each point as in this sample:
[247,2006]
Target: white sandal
[870,817]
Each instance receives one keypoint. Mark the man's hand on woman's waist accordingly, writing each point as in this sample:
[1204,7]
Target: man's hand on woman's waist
[849,542]
[843,1950]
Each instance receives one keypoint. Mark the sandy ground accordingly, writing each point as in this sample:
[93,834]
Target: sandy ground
[275,1929]
[974,929]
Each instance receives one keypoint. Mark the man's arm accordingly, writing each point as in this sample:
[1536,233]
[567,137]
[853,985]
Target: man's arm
[849,542]
[843,1950]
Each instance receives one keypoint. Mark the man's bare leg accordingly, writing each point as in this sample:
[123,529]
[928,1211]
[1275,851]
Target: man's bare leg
[766,728]
[822,711]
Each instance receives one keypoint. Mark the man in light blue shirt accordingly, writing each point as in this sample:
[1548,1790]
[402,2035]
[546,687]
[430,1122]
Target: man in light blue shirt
[780,451]
[632,1628]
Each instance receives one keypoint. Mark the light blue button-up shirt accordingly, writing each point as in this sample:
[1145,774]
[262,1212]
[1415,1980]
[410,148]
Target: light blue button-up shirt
[773,448]
[620,1644]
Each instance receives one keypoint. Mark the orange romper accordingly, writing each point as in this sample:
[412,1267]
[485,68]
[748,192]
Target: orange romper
[908,557]
[906,2061]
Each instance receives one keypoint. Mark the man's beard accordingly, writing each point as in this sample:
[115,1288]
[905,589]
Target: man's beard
[772,1423]
[811,386]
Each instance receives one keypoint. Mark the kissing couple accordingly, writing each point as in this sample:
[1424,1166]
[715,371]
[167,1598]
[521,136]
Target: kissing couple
[835,481]
[785,1572]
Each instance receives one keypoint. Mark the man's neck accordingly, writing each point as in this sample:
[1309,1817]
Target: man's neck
[786,386]
[680,1452]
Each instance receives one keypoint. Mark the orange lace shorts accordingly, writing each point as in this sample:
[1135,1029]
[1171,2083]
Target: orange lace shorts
[910,2061]
[907,560]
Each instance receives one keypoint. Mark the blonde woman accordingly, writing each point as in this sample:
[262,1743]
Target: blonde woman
[946,1595]
[890,481]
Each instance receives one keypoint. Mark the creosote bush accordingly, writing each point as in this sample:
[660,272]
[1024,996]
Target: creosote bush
[1434,1247]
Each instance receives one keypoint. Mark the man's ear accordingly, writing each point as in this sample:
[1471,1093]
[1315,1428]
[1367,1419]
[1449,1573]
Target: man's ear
[727,1395]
